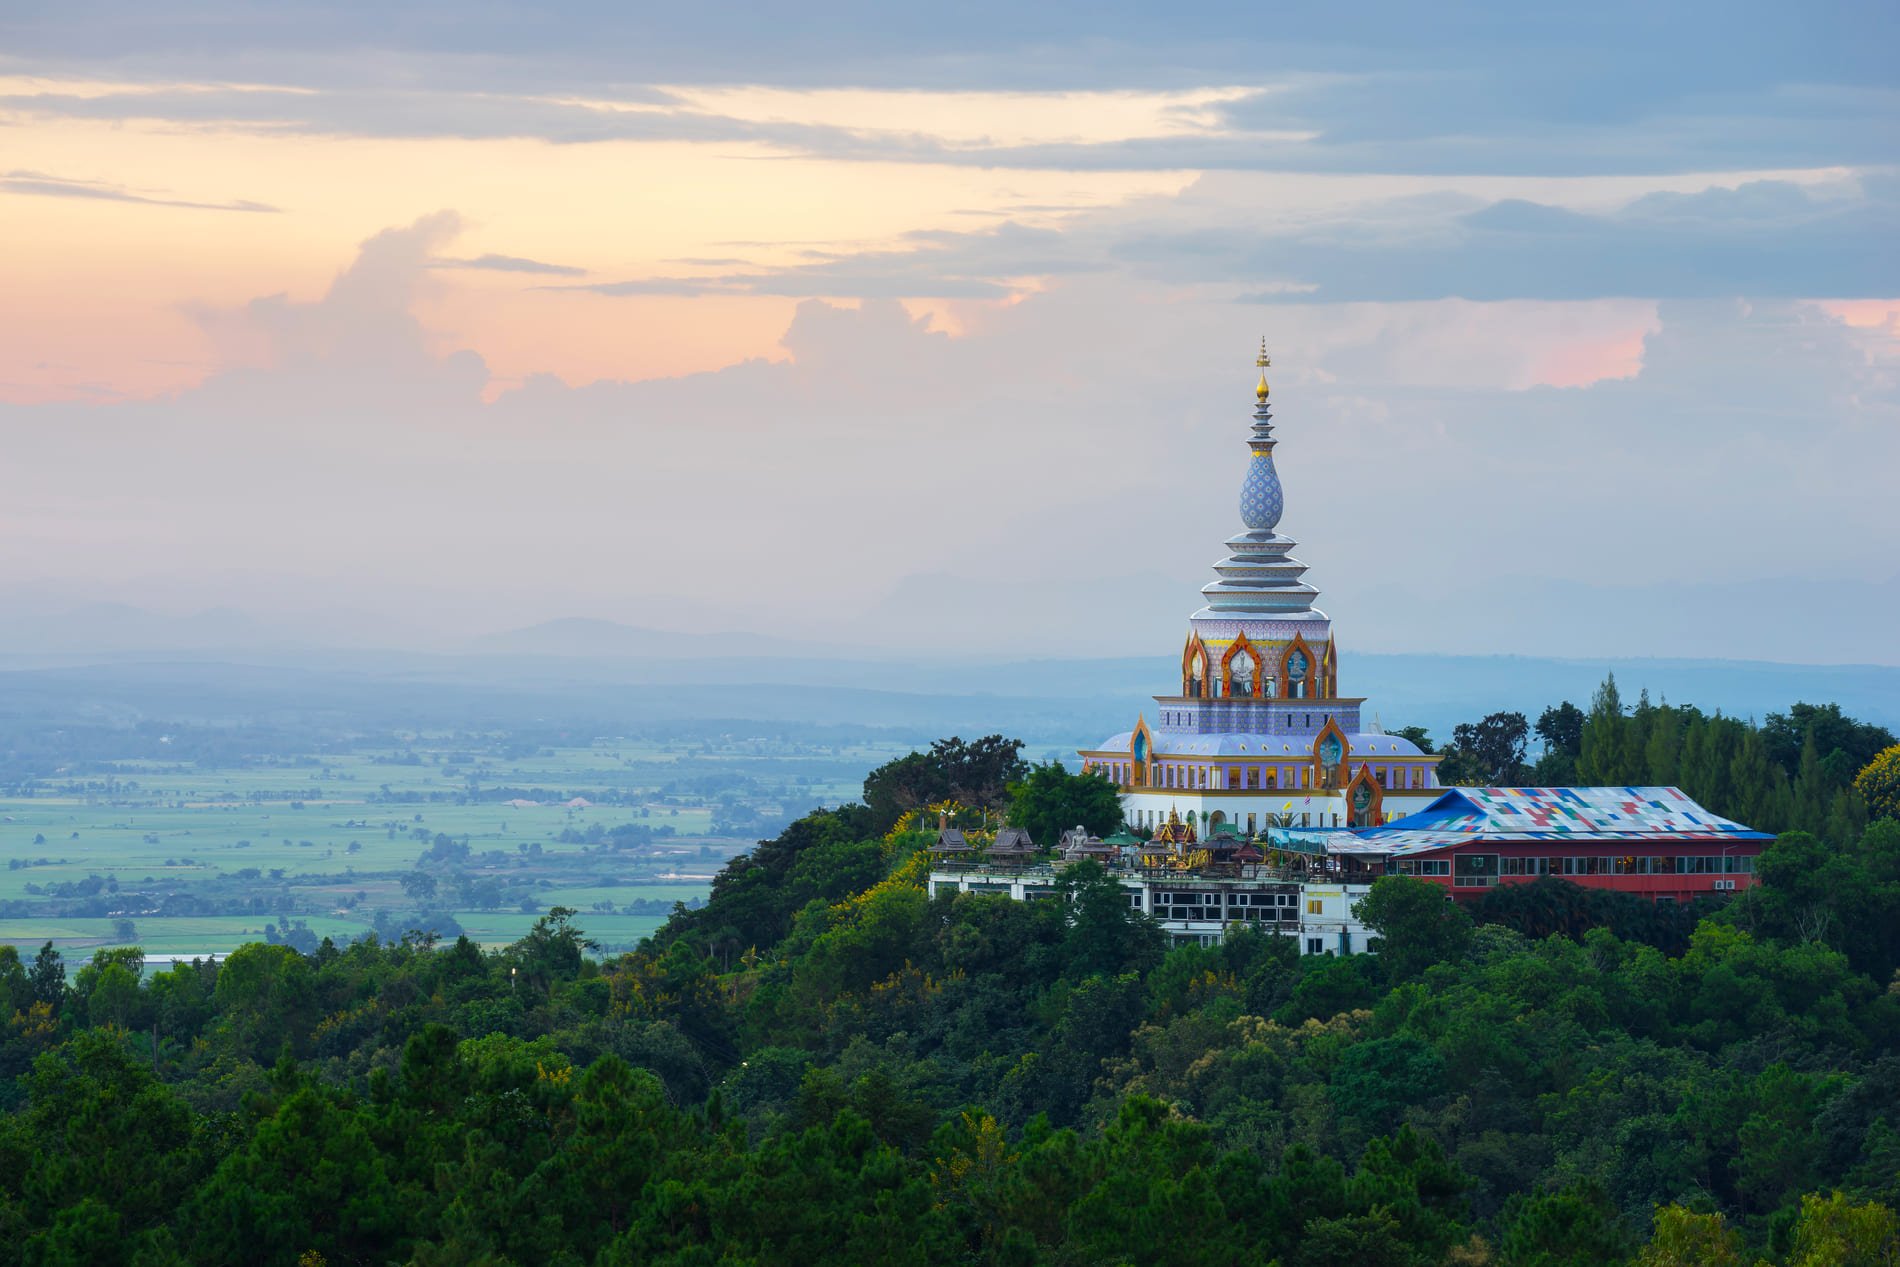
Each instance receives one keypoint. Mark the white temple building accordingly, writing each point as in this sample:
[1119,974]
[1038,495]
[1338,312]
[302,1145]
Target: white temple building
[1258,735]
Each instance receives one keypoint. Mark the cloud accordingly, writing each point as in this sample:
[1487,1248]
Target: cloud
[1764,238]
[358,346]
[1625,87]
[43,185]
[933,263]
[510,264]
[1060,446]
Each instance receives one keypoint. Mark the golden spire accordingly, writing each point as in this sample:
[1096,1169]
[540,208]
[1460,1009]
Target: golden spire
[1263,360]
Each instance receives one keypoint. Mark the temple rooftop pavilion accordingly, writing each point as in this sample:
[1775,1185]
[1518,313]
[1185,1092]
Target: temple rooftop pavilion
[1258,795]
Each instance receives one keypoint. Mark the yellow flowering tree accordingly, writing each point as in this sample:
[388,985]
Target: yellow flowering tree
[1879,784]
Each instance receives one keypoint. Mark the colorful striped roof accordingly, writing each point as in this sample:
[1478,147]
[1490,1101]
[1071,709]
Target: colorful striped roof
[1528,815]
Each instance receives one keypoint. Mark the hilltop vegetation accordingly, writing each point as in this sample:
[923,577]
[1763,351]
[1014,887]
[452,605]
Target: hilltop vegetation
[827,1065]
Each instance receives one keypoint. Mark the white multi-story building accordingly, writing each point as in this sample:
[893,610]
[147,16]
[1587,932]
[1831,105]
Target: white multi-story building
[1197,906]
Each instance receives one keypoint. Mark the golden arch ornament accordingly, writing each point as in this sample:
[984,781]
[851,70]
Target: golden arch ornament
[1242,643]
[1365,799]
[1196,685]
[1311,679]
[1332,754]
[1141,753]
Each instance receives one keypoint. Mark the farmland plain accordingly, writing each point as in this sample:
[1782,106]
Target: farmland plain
[479,835]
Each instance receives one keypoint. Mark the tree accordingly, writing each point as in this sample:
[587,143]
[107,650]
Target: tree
[264,994]
[1417,922]
[16,989]
[553,949]
[974,774]
[48,977]
[1574,1228]
[1843,743]
[1459,767]
[1105,935]
[419,885]
[1495,748]
[1879,784]
[309,1178]
[1378,1079]
[1833,1231]
[1604,756]
[1418,736]
[112,994]
[1561,729]
[1683,1238]
[1051,800]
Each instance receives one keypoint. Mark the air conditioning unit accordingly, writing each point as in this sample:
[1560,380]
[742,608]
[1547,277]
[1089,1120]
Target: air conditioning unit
[1725,884]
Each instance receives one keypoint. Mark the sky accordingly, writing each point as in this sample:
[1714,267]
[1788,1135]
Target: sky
[933,330]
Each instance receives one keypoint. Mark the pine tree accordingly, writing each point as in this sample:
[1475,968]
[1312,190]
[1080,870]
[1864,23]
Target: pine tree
[1846,819]
[1663,750]
[1724,742]
[1812,798]
[49,977]
[1760,788]
[1692,759]
[1601,761]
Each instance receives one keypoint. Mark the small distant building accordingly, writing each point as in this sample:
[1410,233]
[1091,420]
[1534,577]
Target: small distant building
[951,846]
[1011,846]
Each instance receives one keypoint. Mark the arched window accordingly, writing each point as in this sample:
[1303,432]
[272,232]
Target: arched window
[1241,671]
[1362,800]
[1299,669]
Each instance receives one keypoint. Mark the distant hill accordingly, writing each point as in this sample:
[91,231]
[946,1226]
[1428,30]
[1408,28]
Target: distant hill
[583,638]
[120,627]
[1055,704]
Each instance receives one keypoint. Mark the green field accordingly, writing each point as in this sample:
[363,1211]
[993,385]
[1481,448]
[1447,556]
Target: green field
[206,934]
[328,839]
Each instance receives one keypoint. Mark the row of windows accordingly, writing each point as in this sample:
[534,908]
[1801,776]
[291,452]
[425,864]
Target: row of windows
[1392,778]
[1213,912]
[1314,945]
[1480,867]
[1233,899]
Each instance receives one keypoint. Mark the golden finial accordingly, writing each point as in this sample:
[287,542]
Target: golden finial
[1263,360]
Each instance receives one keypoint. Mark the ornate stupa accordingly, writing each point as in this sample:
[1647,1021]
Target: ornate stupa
[1258,735]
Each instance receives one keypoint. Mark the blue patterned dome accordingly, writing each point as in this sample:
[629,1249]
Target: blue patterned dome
[1261,500]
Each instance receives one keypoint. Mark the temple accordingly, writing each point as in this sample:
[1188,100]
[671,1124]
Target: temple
[1258,735]
[1257,797]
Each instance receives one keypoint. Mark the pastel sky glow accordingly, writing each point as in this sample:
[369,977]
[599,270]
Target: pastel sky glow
[393,325]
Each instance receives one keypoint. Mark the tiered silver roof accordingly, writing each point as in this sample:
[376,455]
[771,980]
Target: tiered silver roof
[1260,577]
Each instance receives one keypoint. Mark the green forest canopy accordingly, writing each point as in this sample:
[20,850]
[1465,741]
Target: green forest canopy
[827,1065]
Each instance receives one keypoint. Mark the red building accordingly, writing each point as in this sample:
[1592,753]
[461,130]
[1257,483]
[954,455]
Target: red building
[1651,841]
